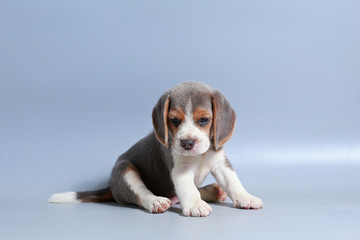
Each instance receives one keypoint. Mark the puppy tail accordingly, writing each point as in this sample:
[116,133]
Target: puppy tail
[102,195]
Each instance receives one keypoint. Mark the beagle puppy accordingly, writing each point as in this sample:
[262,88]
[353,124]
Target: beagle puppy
[192,122]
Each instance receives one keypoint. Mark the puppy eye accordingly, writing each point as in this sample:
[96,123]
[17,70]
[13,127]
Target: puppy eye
[203,121]
[175,121]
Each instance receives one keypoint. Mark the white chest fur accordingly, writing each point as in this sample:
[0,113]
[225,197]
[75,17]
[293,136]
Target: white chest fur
[198,166]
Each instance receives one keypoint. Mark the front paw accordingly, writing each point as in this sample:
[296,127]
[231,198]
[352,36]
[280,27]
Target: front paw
[248,201]
[157,204]
[199,208]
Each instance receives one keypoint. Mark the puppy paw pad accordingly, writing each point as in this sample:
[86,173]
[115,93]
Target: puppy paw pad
[159,204]
[198,209]
[248,201]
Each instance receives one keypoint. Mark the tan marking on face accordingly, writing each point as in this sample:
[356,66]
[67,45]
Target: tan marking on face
[178,113]
[199,113]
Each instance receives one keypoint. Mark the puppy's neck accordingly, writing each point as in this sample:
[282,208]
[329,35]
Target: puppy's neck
[201,158]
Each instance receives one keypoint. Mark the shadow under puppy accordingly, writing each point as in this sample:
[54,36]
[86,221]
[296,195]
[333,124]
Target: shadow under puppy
[191,123]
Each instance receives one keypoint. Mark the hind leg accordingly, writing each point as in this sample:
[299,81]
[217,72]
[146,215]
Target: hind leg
[209,193]
[212,193]
[127,186]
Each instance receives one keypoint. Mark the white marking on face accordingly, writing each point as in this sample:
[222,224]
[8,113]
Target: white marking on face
[188,130]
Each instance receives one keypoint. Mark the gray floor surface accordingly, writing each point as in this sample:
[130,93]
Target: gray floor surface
[79,80]
[311,201]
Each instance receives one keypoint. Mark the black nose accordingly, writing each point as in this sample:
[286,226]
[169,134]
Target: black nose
[187,144]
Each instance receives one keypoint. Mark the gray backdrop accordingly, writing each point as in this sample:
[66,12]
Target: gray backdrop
[78,80]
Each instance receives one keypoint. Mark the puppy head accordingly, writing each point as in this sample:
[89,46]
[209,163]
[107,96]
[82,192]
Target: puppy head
[192,117]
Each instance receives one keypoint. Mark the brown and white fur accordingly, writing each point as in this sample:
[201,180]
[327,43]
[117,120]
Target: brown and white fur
[191,123]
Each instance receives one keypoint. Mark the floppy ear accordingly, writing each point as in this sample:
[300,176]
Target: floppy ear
[223,119]
[159,116]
